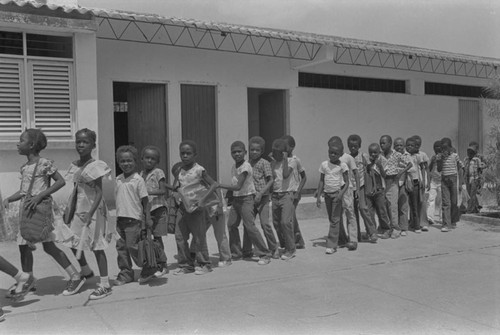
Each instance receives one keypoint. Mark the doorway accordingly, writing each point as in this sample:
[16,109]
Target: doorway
[140,118]
[469,125]
[266,115]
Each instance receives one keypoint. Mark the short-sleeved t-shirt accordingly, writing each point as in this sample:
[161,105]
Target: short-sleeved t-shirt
[333,175]
[351,164]
[395,163]
[361,169]
[129,192]
[414,171]
[261,171]
[279,184]
[192,176]
[450,163]
[248,187]
[152,180]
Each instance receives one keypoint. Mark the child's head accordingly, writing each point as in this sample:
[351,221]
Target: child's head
[32,141]
[385,143]
[290,141]
[374,151]
[334,152]
[446,144]
[437,147]
[188,152]
[475,145]
[411,145]
[418,141]
[150,157]
[399,145]
[278,148]
[85,141]
[127,157]
[471,151]
[256,147]
[354,143]
[334,139]
[238,151]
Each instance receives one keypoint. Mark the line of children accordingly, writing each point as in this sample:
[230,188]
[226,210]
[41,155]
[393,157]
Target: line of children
[376,187]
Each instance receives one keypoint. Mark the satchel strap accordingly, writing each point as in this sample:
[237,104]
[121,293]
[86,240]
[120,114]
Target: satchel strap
[33,178]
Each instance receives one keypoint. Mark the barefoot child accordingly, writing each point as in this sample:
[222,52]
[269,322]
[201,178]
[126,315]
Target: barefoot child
[132,212]
[35,180]
[243,205]
[87,209]
[333,183]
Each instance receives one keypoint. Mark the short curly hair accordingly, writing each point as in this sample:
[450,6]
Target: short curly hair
[127,148]
[37,138]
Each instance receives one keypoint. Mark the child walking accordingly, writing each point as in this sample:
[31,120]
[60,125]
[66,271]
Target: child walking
[450,166]
[333,183]
[263,181]
[434,198]
[24,281]
[191,174]
[132,210]
[243,188]
[157,189]
[87,209]
[283,196]
[38,172]
[299,180]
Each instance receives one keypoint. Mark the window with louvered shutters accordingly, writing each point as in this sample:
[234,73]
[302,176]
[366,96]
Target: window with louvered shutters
[51,98]
[11,97]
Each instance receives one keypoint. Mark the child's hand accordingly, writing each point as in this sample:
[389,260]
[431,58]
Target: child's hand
[5,204]
[32,202]
[318,202]
[271,157]
[149,223]
[258,198]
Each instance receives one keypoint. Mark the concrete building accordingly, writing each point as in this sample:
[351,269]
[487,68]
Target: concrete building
[146,79]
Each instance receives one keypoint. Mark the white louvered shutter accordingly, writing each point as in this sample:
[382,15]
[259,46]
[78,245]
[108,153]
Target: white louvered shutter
[11,98]
[51,97]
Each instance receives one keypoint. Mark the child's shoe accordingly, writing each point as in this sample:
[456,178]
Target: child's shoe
[276,254]
[23,288]
[287,256]
[201,270]
[351,246]
[120,280]
[100,292]
[425,228]
[373,238]
[224,264]
[264,260]
[404,233]
[445,229]
[330,251]
[161,273]
[183,271]
[12,290]
[73,286]
[385,235]
[395,234]
[418,231]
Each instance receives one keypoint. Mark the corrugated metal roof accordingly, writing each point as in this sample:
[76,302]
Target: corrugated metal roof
[262,32]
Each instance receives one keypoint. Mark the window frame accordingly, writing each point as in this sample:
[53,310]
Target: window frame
[27,90]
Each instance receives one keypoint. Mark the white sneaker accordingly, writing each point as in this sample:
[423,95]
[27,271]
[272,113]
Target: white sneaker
[159,274]
[224,264]
[329,251]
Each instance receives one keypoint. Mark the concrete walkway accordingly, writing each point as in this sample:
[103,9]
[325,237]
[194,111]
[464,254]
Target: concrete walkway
[429,283]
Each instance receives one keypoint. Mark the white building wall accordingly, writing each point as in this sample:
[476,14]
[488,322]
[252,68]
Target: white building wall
[315,114]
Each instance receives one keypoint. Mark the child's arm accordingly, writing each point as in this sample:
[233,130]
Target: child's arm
[344,188]
[258,196]
[97,200]
[213,186]
[380,167]
[162,185]
[356,179]
[146,210]
[303,178]
[15,197]
[319,191]
[439,162]
[287,171]
[58,184]
[241,180]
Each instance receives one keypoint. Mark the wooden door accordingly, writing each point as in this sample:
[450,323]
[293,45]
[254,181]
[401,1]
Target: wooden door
[271,117]
[199,123]
[147,120]
[469,125]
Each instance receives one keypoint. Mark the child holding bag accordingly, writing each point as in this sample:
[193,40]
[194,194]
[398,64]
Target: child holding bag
[35,192]
[86,213]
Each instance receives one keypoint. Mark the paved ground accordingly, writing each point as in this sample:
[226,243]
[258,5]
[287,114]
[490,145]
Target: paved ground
[432,283]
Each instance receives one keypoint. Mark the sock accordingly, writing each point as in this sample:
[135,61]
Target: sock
[71,271]
[21,276]
[105,281]
[86,270]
